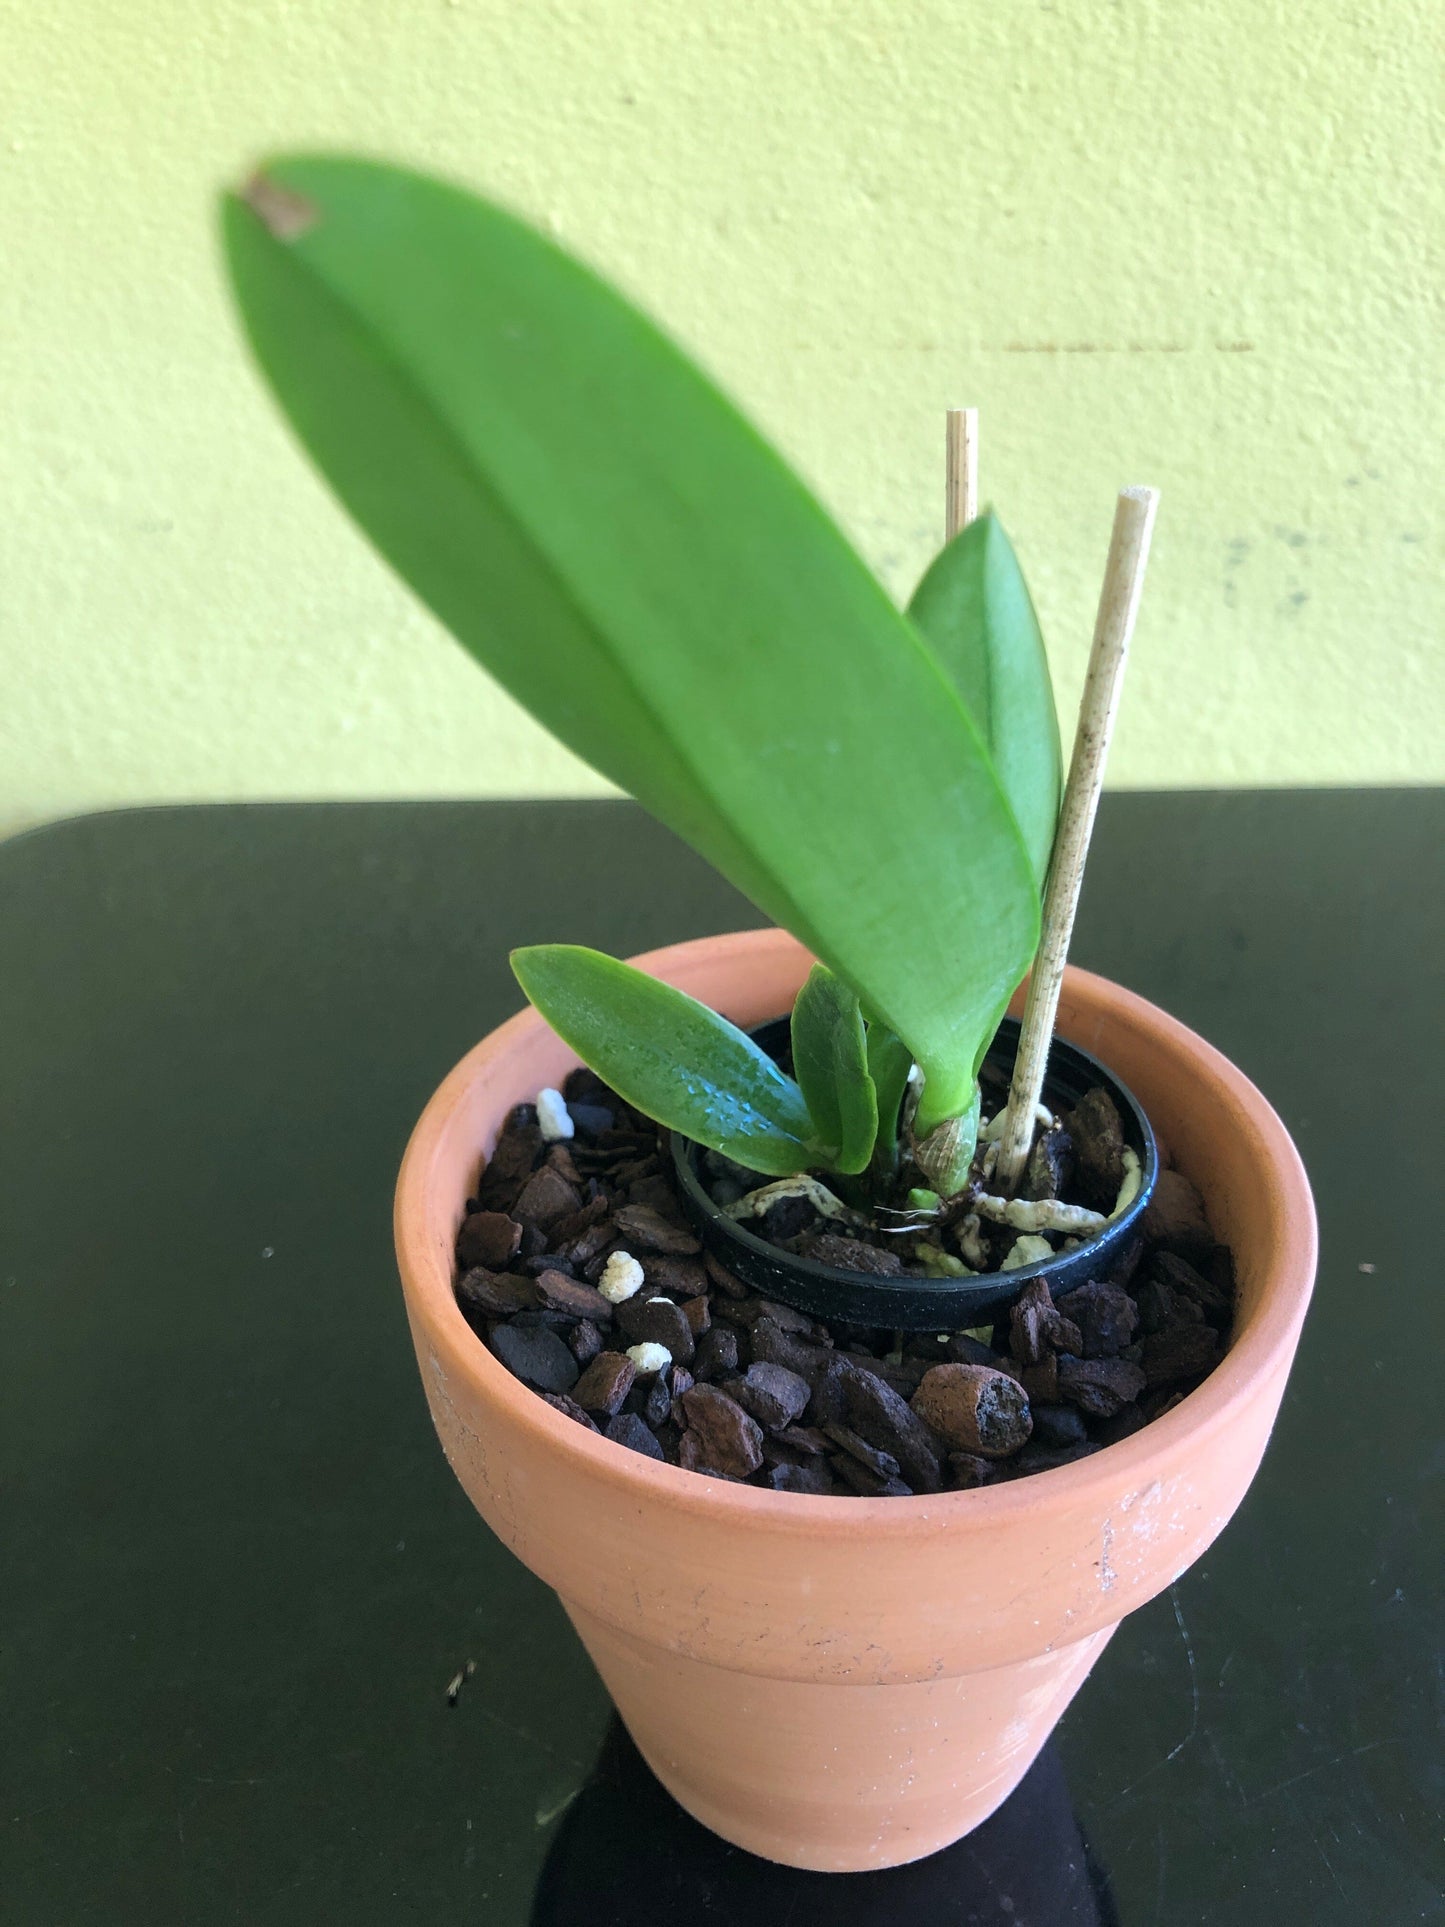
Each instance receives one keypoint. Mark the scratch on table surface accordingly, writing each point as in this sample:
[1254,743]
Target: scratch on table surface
[533,1739]
[1323,1766]
[1193,1675]
[1329,1868]
[547,1813]
[1176,1750]
[1226,1771]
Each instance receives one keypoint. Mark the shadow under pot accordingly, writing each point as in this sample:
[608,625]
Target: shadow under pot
[926,1304]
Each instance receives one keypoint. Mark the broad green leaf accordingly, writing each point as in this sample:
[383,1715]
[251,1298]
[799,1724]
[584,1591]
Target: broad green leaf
[830,1062]
[889,1062]
[671,1057]
[604,532]
[974,608]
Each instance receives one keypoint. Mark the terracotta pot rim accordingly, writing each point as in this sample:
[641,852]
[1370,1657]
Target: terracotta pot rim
[1261,1350]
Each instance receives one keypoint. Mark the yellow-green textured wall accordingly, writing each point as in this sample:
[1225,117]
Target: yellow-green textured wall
[1193,244]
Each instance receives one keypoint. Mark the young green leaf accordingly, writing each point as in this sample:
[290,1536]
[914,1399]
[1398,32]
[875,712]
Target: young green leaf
[889,1062]
[974,609]
[830,1062]
[604,532]
[674,1059]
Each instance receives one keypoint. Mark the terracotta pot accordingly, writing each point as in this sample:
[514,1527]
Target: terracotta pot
[851,1683]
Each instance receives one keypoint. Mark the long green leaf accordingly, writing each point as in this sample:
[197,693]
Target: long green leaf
[671,1057]
[830,1062]
[974,608]
[603,531]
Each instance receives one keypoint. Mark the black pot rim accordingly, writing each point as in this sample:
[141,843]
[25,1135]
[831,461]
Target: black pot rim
[927,1304]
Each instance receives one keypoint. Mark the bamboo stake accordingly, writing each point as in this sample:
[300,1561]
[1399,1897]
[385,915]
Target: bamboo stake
[961,497]
[1114,625]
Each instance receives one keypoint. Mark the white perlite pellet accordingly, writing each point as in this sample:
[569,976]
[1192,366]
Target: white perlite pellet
[553,1116]
[621,1277]
[649,1358]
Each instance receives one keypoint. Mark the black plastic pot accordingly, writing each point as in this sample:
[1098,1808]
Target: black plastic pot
[924,1304]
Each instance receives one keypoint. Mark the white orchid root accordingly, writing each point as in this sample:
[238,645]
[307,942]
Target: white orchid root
[1035,1215]
[1129,1189]
[754,1204]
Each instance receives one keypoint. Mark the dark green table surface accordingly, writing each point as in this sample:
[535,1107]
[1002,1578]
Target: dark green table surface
[238,1574]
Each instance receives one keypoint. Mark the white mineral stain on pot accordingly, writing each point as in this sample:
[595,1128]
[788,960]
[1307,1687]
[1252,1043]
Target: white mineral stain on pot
[1145,1506]
[1107,1575]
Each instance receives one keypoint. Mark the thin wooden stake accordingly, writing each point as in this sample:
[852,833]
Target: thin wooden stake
[961,499]
[1118,606]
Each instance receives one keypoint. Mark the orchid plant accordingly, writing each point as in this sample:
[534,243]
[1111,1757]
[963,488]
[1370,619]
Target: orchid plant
[620,549]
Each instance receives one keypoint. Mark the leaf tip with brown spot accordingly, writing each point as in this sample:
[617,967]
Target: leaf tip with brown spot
[286,213]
